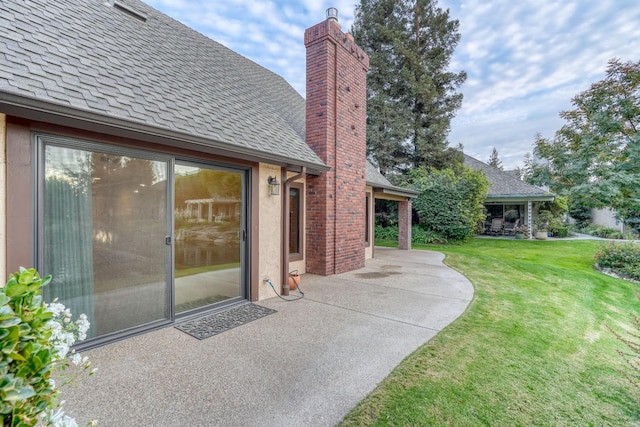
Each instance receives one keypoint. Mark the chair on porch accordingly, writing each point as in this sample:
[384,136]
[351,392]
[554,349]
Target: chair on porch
[496,226]
[510,228]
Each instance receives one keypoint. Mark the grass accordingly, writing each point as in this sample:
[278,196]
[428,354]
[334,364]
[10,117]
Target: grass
[183,272]
[531,349]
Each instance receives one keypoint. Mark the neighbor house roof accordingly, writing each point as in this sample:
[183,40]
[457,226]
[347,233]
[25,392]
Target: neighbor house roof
[505,186]
[126,68]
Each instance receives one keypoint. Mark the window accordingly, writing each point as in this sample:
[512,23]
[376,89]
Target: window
[367,223]
[118,226]
[103,229]
[512,213]
[295,222]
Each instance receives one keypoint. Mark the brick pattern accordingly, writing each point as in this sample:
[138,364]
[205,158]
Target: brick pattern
[335,130]
[404,225]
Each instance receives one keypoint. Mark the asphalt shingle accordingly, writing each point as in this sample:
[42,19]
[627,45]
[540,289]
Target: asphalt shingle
[504,183]
[94,57]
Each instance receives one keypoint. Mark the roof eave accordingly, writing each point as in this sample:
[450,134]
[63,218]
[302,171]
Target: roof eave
[48,112]
[548,197]
[395,191]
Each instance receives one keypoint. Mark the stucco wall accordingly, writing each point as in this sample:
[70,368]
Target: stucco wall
[606,218]
[270,236]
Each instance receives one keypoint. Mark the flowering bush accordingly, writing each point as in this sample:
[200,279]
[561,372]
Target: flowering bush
[524,229]
[35,341]
[622,259]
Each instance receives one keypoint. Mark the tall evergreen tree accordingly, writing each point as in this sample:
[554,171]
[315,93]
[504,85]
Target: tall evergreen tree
[411,93]
[494,160]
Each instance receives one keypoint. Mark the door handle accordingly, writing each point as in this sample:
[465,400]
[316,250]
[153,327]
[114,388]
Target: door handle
[167,240]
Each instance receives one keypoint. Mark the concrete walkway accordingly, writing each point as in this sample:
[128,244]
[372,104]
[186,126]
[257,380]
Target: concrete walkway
[308,364]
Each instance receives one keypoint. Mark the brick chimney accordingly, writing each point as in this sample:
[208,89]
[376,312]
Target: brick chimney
[336,131]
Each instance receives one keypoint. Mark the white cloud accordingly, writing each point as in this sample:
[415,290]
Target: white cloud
[524,60]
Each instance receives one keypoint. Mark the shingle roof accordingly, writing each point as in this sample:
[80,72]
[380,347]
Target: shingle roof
[88,56]
[505,184]
[376,179]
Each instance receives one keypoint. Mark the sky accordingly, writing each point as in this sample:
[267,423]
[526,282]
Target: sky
[524,59]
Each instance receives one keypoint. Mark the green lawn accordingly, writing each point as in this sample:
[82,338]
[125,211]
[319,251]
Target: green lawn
[531,349]
[183,272]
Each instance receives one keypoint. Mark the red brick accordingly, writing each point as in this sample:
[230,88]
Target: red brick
[335,129]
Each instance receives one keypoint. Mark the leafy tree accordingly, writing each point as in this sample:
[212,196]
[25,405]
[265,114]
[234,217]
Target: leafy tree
[595,157]
[494,160]
[581,214]
[450,201]
[411,94]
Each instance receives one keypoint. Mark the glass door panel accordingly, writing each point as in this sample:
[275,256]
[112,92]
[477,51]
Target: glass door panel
[104,232]
[208,225]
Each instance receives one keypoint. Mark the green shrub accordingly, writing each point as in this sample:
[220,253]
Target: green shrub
[450,203]
[581,214]
[562,231]
[622,258]
[616,235]
[422,236]
[386,233]
[555,224]
[35,340]
[605,232]
[608,232]
[418,235]
[630,235]
[544,220]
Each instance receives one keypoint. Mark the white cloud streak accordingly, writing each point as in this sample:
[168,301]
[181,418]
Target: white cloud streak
[524,60]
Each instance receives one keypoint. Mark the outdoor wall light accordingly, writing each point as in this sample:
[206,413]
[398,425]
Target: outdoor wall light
[274,186]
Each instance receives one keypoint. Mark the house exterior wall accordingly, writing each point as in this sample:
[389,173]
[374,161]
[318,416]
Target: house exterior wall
[18,192]
[16,183]
[335,130]
[606,218]
[270,236]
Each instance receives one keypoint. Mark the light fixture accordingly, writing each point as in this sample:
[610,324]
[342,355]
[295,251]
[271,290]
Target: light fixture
[274,186]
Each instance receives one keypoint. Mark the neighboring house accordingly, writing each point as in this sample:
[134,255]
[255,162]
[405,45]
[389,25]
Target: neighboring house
[156,173]
[509,197]
[606,217]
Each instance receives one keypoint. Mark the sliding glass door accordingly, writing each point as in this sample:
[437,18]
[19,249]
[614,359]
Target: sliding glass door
[133,238]
[208,230]
[104,231]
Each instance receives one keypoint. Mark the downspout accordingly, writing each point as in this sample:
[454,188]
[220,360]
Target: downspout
[335,155]
[286,228]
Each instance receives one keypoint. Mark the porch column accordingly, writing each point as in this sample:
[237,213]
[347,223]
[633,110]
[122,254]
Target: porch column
[530,218]
[404,225]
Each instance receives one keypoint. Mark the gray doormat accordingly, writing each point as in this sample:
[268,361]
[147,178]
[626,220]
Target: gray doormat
[213,324]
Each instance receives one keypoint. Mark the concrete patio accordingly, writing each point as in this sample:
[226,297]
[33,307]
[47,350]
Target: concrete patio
[308,364]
